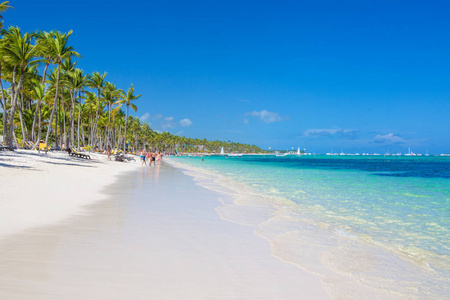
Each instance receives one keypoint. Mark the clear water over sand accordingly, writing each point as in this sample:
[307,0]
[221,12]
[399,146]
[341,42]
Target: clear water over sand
[373,226]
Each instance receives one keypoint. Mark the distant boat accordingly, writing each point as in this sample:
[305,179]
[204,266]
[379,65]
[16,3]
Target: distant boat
[409,152]
[221,151]
[298,151]
[235,154]
[279,154]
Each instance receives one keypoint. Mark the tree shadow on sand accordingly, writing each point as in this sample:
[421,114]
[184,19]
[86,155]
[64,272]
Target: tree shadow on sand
[42,158]
[69,164]
[17,167]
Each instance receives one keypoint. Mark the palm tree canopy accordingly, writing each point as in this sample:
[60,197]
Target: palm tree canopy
[127,98]
[58,47]
[96,80]
[3,7]
[77,80]
[17,48]
[39,92]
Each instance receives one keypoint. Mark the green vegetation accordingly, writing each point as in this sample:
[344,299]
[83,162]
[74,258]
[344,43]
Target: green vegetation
[45,97]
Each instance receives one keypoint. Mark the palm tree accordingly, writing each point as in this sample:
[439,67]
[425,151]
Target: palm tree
[111,94]
[39,94]
[59,50]
[45,57]
[118,117]
[18,52]
[126,99]
[76,83]
[3,7]
[96,81]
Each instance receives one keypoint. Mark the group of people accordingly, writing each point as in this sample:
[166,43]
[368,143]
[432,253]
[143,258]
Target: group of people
[150,157]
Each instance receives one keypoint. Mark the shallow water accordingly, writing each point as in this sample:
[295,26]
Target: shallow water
[361,222]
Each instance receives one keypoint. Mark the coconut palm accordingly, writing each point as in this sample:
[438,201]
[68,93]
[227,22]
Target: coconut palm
[96,81]
[17,52]
[76,82]
[3,7]
[39,94]
[59,50]
[111,94]
[127,100]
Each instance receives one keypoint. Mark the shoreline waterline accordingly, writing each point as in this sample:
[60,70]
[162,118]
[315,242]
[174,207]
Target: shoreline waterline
[351,264]
[155,236]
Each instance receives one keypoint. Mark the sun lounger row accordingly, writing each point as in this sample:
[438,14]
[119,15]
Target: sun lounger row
[75,153]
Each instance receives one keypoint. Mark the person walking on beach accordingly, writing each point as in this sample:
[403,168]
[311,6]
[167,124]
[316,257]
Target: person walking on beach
[154,158]
[148,158]
[158,157]
[108,152]
[144,154]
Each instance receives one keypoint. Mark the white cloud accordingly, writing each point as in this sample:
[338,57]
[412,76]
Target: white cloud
[330,132]
[145,117]
[185,122]
[246,121]
[389,138]
[267,116]
[167,125]
[163,123]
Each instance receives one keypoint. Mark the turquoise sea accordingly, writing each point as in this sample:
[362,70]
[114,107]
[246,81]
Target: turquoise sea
[365,223]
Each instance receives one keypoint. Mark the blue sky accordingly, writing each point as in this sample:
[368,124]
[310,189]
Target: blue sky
[357,76]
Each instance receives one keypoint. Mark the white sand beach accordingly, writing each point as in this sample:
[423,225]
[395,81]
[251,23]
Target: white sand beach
[40,189]
[77,229]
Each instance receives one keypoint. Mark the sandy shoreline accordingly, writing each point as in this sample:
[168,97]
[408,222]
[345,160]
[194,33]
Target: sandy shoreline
[156,235]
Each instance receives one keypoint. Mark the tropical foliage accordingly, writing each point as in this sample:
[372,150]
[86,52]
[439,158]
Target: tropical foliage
[46,98]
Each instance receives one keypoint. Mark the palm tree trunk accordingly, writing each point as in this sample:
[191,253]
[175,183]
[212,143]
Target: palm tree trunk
[9,136]
[72,120]
[19,109]
[38,105]
[54,104]
[125,139]
[96,130]
[65,130]
[14,96]
[56,121]
[62,123]
[113,132]
[79,118]
[3,103]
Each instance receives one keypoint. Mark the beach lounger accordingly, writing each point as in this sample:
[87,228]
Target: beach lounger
[31,144]
[75,153]
[43,146]
[26,145]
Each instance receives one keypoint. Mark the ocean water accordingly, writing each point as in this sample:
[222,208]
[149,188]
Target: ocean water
[373,227]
